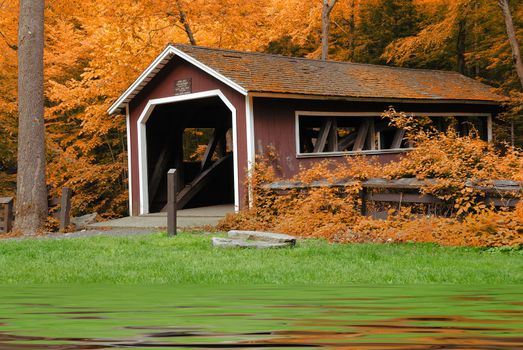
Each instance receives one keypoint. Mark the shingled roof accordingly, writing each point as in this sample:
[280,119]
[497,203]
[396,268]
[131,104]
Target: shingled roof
[263,73]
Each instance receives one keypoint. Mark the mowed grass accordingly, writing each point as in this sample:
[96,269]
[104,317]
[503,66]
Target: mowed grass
[190,259]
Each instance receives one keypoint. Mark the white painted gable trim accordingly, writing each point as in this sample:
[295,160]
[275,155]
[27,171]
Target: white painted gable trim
[168,53]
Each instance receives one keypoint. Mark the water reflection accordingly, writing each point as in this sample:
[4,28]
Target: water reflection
[279,318]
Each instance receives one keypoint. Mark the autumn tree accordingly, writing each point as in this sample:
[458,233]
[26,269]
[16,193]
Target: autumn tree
[328,5]
[381,23]
[91,50]
[8,98]
[517,103]
[351,25]
[31,199]
[511,33]
[287,46]
[453,30]
[468,36]
[184,21]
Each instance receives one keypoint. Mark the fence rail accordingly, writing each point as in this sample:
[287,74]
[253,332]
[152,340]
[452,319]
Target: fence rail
[500,193]
[58,207]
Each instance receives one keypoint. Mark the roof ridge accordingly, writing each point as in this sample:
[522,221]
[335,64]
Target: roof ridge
[372,82]
[254,53]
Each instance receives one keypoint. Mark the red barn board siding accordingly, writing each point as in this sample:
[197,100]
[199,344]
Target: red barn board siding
[163,86]
[274,123]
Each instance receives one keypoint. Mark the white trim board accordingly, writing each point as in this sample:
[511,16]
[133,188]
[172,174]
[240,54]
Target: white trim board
[129,160]
[297,115]
[150,72]
[378,114]
[249,122]
[353,153]
[291,96]
[142,142]
[251,150]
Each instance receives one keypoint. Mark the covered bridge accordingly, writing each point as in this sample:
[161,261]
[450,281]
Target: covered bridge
[208,112]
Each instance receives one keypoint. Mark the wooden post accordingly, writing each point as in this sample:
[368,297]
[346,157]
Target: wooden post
[363,197]
[9,216]
[171,202]
[6,214]
[65,208]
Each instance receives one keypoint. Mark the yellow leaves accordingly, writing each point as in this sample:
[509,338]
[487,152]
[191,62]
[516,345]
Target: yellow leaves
[334,213]
[96,48]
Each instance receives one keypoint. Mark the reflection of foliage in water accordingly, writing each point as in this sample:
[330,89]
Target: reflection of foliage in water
[166,317]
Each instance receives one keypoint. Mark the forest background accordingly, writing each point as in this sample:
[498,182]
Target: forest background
[95,48]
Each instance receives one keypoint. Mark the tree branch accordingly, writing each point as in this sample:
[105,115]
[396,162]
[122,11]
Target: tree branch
[183,20]
[11,46]
[511,33]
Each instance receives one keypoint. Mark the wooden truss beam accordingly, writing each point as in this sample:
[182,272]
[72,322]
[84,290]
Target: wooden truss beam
[158,172]
[346,142]
[332,145]
[202,180]
[217,136]
[323,135]
[362,136]
[398,139]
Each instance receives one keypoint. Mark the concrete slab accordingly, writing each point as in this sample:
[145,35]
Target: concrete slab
[187,218]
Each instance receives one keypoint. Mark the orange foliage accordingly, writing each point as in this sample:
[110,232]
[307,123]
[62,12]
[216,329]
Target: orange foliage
[334,212]
[95,48]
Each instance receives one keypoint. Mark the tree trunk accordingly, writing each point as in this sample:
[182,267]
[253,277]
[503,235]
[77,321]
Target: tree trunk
[328,5]
[31,196]
[183,20]
[352,30]
[475,44]
[511,33]
[460,46]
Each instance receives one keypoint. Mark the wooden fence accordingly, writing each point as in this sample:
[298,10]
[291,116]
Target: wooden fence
[59,208]
[500,193]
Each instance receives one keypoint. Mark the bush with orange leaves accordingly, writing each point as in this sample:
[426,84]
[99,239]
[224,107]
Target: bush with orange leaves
[333,212]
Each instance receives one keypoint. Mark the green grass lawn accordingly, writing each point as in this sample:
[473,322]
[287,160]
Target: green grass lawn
[190,259]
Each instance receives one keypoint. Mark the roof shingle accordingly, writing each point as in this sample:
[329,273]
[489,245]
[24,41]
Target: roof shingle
[257,72]
[264,73]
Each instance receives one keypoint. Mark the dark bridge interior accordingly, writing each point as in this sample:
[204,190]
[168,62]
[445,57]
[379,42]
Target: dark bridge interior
[194,137]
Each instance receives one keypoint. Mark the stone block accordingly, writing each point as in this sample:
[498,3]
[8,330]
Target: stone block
[238,243]
[262,236]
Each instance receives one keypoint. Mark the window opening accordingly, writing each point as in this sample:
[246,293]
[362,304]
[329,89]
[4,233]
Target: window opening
[346,134]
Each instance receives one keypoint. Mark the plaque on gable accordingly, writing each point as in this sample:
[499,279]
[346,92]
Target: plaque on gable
[183,86]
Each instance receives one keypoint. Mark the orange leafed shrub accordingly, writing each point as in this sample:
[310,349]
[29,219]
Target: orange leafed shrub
[334,212]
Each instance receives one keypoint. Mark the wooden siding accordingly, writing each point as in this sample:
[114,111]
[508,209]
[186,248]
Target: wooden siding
[274,124]
[163,85]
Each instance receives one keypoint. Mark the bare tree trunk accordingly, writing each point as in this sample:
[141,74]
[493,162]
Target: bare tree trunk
[352,30]
[475,44]
[460,46]
[511,33]
[183,20]
[328,5]
[31,197]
